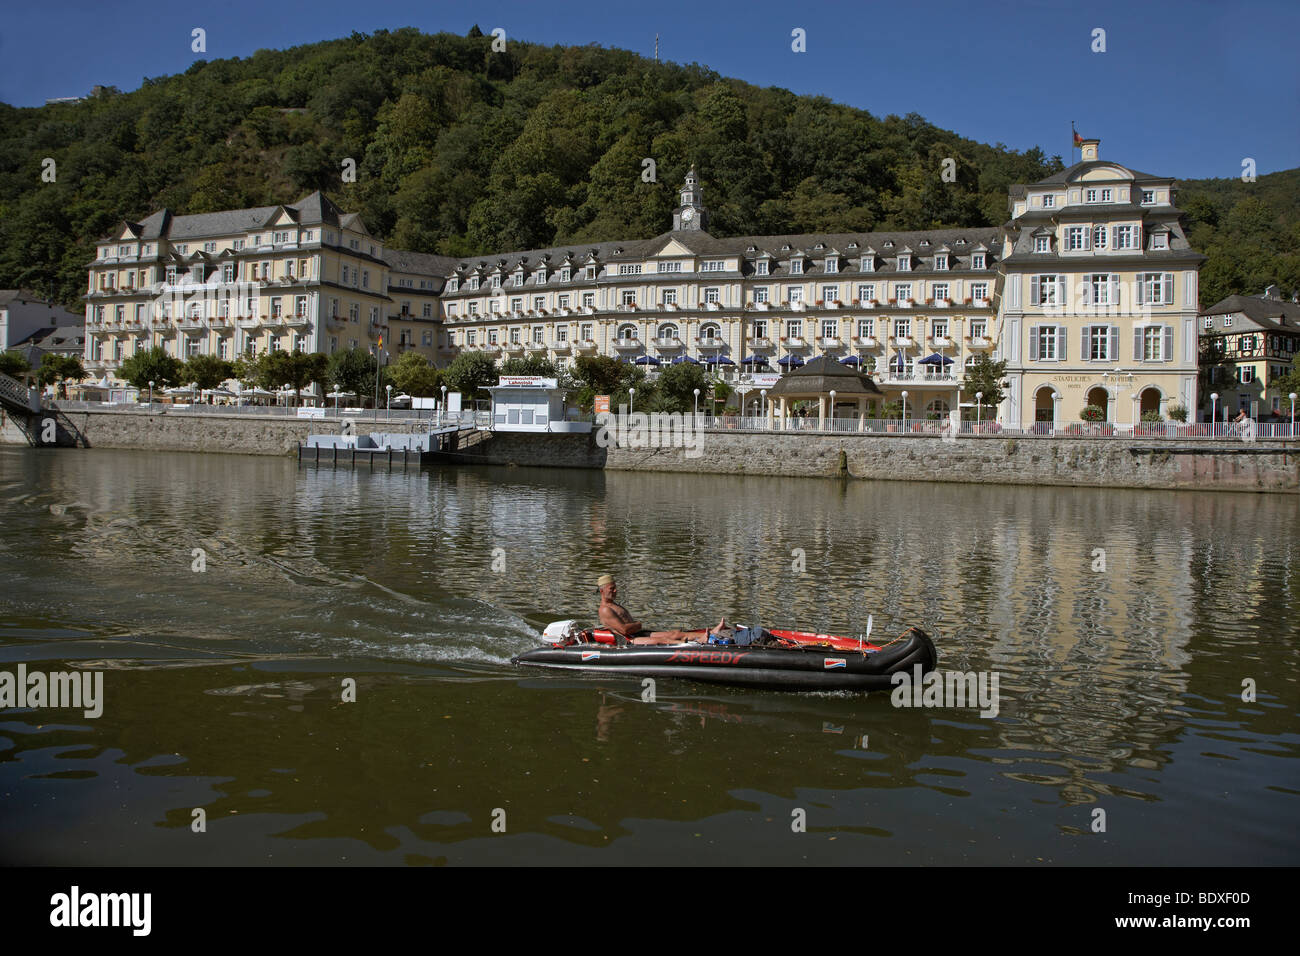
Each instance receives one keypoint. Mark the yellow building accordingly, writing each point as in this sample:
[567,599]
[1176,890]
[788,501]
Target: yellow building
[1099,297]
[302,276]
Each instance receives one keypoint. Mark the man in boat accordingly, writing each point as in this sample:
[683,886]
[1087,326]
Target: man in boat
[617,619]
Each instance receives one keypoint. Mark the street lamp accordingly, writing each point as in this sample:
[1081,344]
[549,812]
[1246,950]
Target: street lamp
[631,399]
[1214,411]
[286,394]
[442,409]
[832,414]
[979,397]
[762,408]
[1292,397]
[388,408]
[151,391]
[904,409]
[696,407]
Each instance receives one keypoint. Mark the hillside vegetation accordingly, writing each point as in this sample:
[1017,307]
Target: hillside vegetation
[461,150]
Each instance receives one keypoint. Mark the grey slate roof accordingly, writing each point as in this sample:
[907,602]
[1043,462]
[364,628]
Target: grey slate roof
[1269,313]
[821,375]
[311,210]
[420,263]
[1078,169]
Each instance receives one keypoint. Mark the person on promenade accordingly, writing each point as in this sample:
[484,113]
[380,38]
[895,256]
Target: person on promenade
[616,618]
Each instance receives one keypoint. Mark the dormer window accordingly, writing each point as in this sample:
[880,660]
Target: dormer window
[541,274]
[1042,244]
[1159,240]
[761,267]
[1148,197]
[904,263]
[453,285]
[1049,201]
[566,274]
[889,243]
[796,267]
[977,260]
[519,277]
[832,264]
[1227,321]
[496,282]
[925,243]
[941,262]
[591,272]
[473,283]
[868,263]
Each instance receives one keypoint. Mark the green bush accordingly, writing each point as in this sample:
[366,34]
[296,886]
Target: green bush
[1092,413]
[1152,416]
[1178,413]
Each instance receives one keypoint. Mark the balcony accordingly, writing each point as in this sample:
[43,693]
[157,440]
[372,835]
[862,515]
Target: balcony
[941,303]
[625,307]
[827,342]
[799,306]
[536,347]
[902,341]
[866,341]
[902,303]
[710,342]
[491,348]
[940,342]
[668,342]
[979,342]
[335,321]
[758,342]
[297,320]
[562,347]
[671,307]
[189,324]
[585,346]
[830,304]
[761,306]
[627,345]
[712,306]
[513,348]
[795,342]
[867,303]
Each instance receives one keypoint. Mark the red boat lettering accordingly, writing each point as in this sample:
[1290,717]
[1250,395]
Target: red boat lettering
[707,657]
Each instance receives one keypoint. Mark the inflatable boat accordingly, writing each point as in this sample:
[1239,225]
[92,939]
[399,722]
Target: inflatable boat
[776,659]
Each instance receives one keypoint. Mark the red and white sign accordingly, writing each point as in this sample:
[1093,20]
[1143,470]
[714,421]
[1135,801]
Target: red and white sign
[602,404]
[525,381]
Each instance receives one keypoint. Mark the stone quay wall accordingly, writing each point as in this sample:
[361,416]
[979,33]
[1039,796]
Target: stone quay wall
[1271,466]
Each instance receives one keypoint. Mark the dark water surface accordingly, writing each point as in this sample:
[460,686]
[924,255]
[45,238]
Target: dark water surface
[1120,689]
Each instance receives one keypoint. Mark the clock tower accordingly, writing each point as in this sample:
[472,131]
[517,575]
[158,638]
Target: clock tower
[691,214]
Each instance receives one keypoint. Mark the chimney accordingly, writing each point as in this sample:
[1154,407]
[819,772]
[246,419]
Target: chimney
[1088,150]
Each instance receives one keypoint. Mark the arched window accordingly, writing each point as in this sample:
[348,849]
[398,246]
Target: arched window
[627,331]
[668,331]
[710,330]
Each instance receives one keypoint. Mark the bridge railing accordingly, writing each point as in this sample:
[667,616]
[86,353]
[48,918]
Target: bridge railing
[18,395]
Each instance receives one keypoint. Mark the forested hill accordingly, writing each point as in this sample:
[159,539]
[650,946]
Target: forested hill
[462,150]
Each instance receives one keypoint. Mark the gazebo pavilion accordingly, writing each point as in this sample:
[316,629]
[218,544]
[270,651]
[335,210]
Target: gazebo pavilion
[819,379]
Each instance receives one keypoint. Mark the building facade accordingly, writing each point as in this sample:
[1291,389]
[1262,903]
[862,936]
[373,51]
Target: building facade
[1089,293]
[300,276]
[1248,343]
[1099,297]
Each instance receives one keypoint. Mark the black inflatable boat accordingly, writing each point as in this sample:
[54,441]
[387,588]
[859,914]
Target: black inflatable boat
[812,662]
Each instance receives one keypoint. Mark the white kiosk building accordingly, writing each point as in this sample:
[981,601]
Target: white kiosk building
[530,403]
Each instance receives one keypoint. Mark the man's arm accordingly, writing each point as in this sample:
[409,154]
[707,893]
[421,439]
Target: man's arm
[619,623]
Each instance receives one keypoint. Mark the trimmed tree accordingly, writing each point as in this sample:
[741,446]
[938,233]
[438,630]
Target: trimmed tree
[295,369]
[154,366]
[471,373]
[208,371]
[14,365]
[353,370]
[986,376]
[415,375]
[57,369]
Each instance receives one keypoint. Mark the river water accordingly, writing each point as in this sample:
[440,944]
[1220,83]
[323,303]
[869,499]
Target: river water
[226,599]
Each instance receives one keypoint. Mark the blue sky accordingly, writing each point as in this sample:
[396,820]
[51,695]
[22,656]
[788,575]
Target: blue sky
[1187,88]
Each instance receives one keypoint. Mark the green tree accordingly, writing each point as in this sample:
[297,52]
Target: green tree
[676,387]
[208,371]
[353,370]
[415,375]
[295,369]
[470,373]
[58,369]
[155,366]
[14,365]
[986,376]
[532,365]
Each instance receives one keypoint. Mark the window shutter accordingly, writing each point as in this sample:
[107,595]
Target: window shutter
[1141,290]
[1114,237]
[1061,339]
[1137,343]
[1033,341]
[1060,291]
[1034,298]
[1169,288]
[1087,237]
[1086,297]
[1114,291]
[1084,352]
[1113,354]
[1169,344]
[1137,236]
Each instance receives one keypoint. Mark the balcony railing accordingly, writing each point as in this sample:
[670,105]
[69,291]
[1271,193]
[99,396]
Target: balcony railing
[585,346]
[710,342]
[795,342]
[866,341]
[902,341]
[562,347]
[627,344]
[979,342]
[830,342]
[759,342]
[668,342]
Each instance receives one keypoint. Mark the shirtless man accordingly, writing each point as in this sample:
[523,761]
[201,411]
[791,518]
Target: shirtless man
[617,619]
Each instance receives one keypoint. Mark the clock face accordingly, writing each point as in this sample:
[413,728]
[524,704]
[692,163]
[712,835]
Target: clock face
[688,214]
